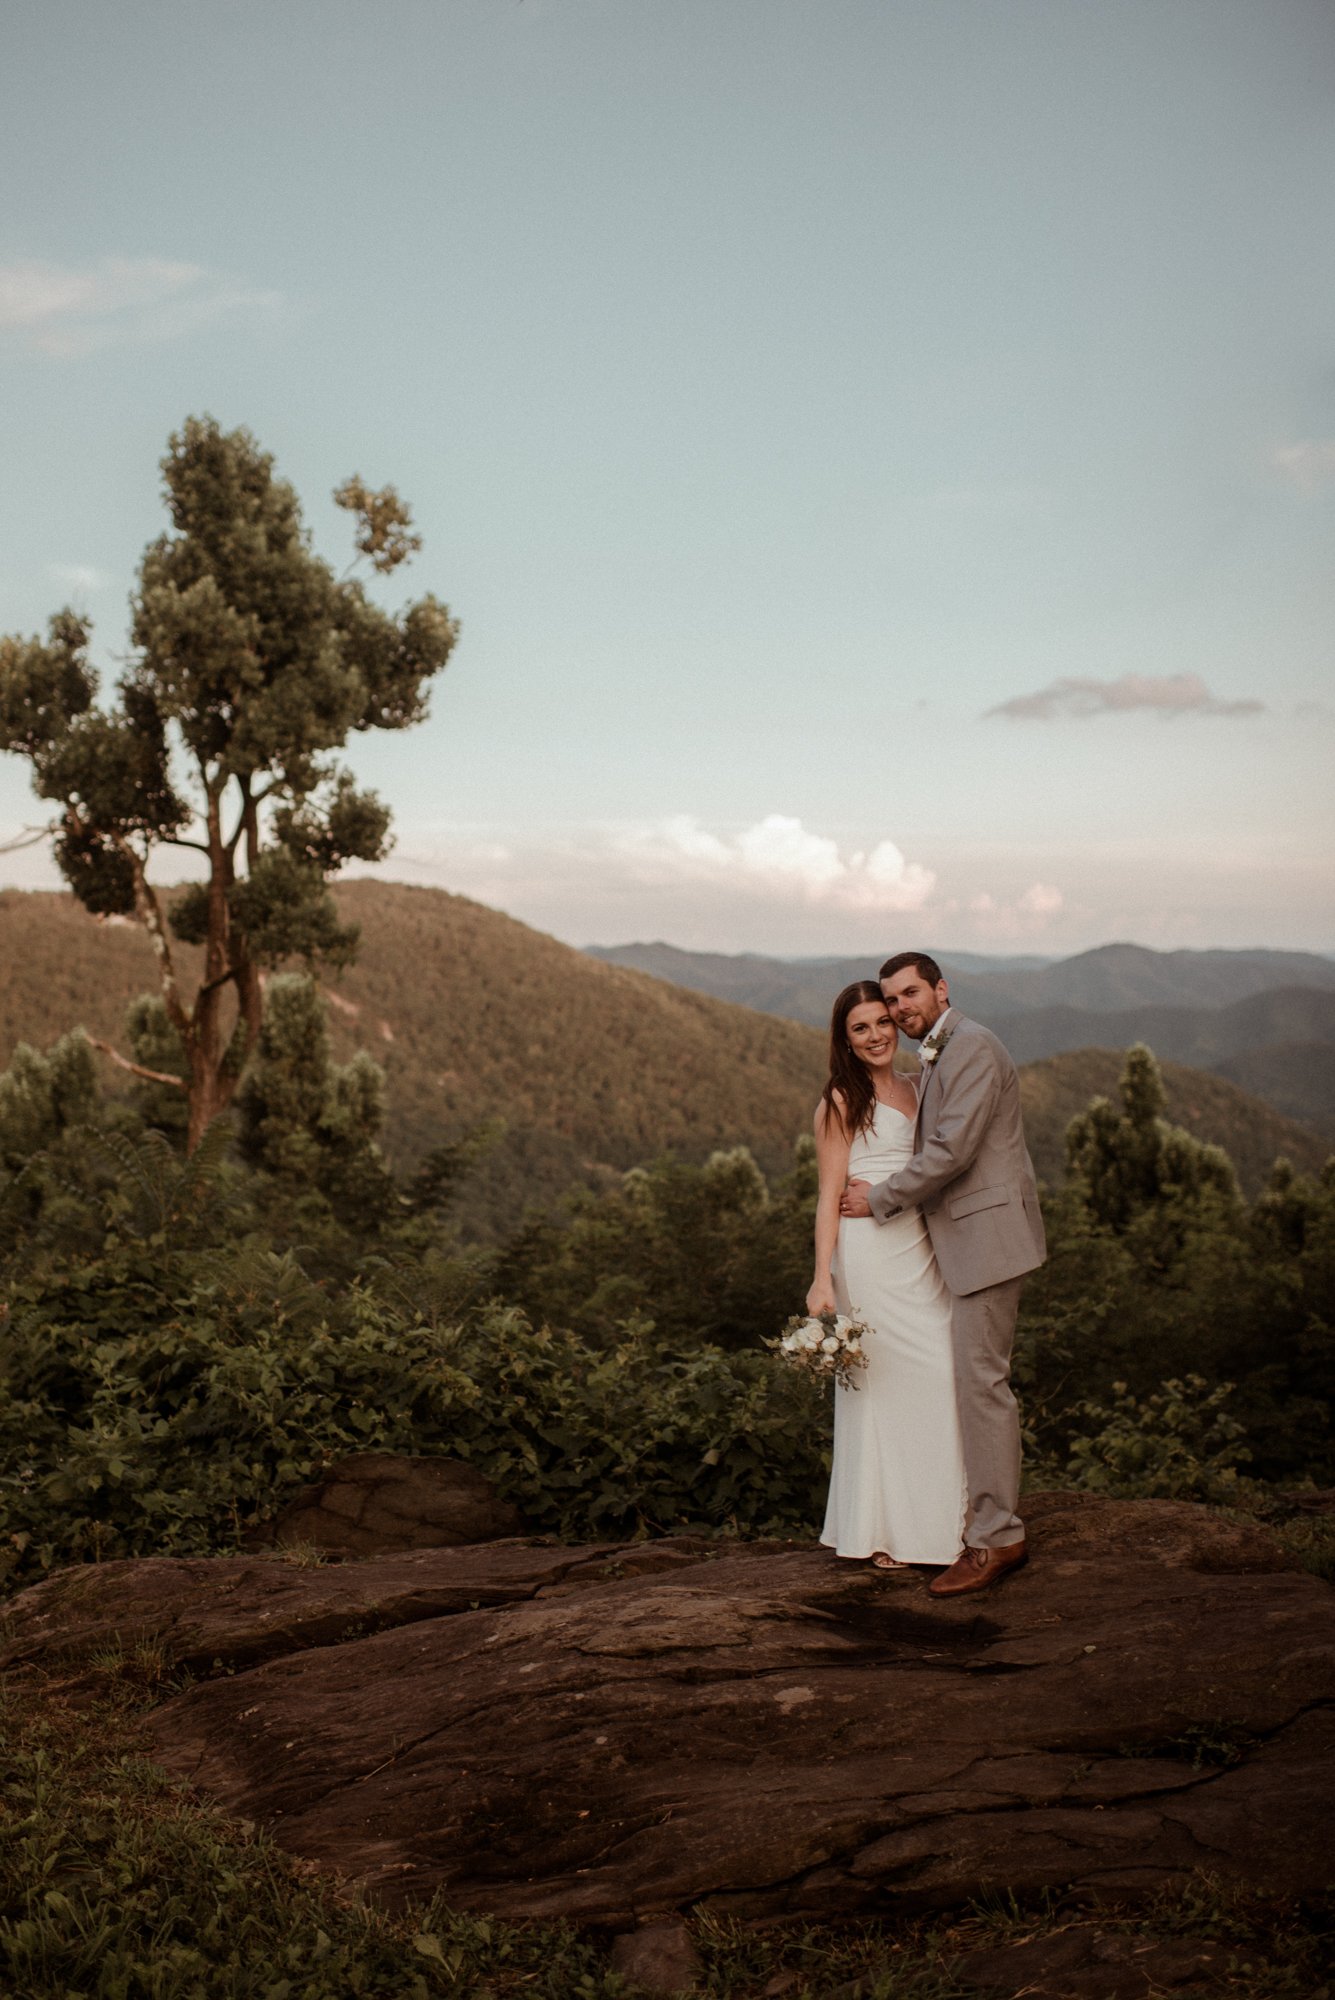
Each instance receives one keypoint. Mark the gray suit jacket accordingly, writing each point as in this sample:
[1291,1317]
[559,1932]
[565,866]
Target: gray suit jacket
[971,1174]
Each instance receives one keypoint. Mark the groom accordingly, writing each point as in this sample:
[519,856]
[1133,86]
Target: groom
[973,1179]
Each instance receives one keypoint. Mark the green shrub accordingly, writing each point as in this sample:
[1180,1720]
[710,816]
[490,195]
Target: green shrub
[1177,1444]
[152,1404]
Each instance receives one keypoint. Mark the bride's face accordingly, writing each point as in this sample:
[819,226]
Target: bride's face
[872,1035]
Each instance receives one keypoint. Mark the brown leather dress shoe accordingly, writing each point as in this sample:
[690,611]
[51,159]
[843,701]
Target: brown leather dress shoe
[978,1569]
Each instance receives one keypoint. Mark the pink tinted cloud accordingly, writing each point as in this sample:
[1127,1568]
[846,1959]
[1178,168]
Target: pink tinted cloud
[1164,694]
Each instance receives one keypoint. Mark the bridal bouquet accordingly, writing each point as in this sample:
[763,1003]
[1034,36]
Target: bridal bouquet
[827,1344]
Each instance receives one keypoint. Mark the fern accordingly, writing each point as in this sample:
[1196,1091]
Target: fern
[434,1291]
[156,1193]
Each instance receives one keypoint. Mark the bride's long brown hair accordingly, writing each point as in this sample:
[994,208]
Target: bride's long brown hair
[848,1074]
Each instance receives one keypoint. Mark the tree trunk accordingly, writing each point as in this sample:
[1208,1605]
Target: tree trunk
[210,1095]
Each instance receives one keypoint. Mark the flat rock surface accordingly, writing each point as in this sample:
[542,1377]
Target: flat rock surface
[615,1733]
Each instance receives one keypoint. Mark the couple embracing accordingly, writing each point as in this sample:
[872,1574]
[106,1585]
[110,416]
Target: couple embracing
[926,1224]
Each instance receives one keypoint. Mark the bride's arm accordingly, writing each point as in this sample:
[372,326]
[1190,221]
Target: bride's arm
[832,1149]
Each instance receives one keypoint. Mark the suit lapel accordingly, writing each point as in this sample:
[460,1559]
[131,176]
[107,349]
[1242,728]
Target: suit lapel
[930,1079]
[922,1100]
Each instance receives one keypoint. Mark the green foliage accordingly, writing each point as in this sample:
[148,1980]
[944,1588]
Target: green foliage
[384,525]
[166,1376]
[45,688]
[1132,1163]
[326,833]
[155,1196]
[185,1341]
[1057,1088]
[43,1096]
[161,1401]
[310,1123]
[701,1253]
[1158,1271]
[1180,1443]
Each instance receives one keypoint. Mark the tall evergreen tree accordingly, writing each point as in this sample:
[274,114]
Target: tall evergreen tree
[1132,1161]
[253,662]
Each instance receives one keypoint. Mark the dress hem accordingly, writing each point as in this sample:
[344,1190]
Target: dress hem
[865,1555]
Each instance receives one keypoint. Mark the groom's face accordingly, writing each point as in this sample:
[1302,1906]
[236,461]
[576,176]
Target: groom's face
[915,1007]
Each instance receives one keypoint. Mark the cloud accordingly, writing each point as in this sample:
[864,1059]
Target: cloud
[1310,463]
[62,311]
[775,885]
[779,856]
[1165,694]
[77,576]
[1024,918]
[1040,899]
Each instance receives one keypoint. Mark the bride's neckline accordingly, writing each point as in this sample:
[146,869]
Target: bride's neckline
[884,1104]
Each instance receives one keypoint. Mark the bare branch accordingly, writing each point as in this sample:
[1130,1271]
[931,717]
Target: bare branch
[28,838]
[173,840]
[138,1069]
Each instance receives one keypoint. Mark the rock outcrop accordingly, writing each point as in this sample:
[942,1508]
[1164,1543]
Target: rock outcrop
[378,1502]
[617,1733]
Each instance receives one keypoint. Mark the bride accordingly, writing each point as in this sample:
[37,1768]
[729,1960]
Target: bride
[897,1491]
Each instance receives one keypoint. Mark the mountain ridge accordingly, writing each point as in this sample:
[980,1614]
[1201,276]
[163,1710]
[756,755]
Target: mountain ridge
[590,1068]
[1253,1017]
[1106,978]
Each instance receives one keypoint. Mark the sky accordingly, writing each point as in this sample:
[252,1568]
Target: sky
[881,452]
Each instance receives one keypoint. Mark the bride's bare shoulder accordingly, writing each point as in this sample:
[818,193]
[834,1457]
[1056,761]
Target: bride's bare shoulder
[824,1121]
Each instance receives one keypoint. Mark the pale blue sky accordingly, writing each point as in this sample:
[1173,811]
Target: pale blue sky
[780,388]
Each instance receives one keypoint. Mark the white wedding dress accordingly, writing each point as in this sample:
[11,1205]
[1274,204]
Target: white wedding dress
[897,1481]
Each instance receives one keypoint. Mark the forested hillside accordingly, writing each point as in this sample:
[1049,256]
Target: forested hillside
[589,1068]
[473,1017]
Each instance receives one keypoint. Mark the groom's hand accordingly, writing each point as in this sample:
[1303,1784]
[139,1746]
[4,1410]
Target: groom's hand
[854,1199]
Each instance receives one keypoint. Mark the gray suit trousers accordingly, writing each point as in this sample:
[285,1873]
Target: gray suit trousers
[982,1328]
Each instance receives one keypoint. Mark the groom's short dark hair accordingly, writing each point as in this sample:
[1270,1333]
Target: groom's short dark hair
[925,967]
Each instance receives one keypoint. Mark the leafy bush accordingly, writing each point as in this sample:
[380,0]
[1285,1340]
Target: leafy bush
[706,1253]
[150,1406]
[1178,1444]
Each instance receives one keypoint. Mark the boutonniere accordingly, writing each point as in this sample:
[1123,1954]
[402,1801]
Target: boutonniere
[930,1050]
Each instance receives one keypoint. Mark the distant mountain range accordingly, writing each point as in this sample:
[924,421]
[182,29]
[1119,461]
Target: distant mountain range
[1264,1019]
[1111,978]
